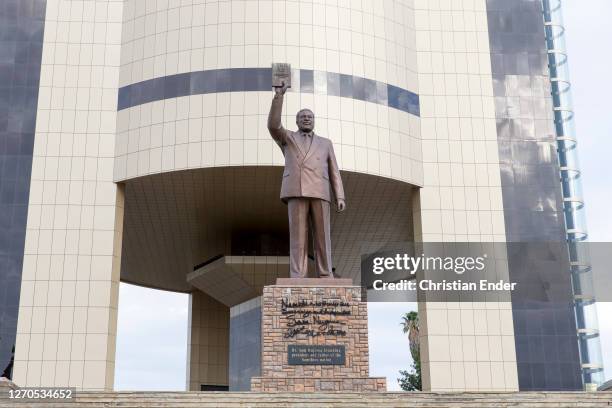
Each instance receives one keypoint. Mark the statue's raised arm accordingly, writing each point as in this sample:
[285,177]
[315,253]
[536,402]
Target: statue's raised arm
[274,118]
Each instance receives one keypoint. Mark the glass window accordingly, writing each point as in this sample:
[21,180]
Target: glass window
[358,88]
[403,100]
[257,79]
[264,76]
[176,85]
[370,90]
[396,98]
[157,89]
[414,104]
[346,86]
[320,82]
[237,79]
[146,91]
[306,81]
[124,98]
[381,90]
[249,80]
[529,191]
[21,35]
[224,80]
[333,84]
[135,95]
[7,52]
[203,82]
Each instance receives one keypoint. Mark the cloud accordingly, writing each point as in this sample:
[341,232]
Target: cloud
[589,70]
[151,339]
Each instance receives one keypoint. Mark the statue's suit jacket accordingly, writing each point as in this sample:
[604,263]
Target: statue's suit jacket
[308,173]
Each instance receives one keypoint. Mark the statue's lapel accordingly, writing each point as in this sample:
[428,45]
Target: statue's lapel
[313,146]
[295,142]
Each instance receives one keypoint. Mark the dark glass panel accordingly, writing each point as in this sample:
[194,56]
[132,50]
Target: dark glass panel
[333,84]
[135,92]
[551,352]
[521,344]
[124,97]
[346,86]
[236,79]
[21,35]
[394,95]
[381,90]
[522,63]
[536,349]
[370,91]
[257,79]
[306,81]
[524,373]
[204,82]
[320,82]
[497,66]
[245,347]
[537,372]
[176,86]
[7,52]
[544,331]
[568,375]
[38,10]
[151,90]
[359,88]
[415,104]
[224,80]
[403,100]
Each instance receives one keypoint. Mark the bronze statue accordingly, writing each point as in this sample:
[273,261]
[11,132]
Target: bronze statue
[310,170]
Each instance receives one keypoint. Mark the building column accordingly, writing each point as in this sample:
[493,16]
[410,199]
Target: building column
[69,293]
[67,327]
[464,345]
[208,343]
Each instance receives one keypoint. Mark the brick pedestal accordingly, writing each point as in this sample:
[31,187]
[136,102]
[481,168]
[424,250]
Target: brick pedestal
[315,312]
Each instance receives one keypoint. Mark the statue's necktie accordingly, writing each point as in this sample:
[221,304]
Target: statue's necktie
[305,141]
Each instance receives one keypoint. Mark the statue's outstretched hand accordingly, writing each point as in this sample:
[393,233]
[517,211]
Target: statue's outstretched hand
[280,90]
[341,205]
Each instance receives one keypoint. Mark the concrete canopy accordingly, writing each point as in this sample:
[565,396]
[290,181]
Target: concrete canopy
[178,220]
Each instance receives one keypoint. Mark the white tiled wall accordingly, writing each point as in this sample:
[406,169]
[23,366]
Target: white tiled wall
[465,346]
[372,39]
[229,129]
[368,38]
[68,305]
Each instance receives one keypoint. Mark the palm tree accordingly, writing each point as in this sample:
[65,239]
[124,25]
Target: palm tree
[411,381]
[410,325]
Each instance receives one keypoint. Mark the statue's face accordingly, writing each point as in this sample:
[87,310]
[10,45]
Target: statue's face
[305,120]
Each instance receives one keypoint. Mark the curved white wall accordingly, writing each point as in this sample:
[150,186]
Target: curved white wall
[368,39]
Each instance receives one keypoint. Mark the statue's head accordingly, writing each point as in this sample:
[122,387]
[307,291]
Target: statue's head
[305,120]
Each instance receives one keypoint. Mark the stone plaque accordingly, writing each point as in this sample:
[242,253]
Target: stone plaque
[281,73]
[304,354]
[314,337]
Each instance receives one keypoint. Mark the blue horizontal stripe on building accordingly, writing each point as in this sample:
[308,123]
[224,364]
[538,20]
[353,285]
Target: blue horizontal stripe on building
[260,79]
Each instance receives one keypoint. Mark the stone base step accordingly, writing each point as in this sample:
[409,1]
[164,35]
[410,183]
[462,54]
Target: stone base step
[324,384]
[311,400]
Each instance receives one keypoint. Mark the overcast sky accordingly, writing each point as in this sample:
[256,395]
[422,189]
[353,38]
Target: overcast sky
[152,330]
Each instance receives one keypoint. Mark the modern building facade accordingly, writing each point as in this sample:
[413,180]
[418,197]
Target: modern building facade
[135,149]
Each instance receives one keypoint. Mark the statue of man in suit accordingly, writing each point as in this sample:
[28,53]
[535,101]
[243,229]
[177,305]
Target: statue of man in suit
[311,171]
